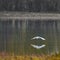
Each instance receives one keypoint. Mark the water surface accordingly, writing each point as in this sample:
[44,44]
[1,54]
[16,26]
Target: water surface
[17,38]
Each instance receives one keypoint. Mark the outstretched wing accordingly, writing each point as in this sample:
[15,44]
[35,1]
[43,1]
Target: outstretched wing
[38,37]
[38,47]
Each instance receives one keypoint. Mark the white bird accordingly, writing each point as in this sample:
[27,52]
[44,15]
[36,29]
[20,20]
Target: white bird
[38,37]
[38,47]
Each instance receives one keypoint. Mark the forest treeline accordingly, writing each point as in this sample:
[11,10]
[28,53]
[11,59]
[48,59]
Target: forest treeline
[30,5]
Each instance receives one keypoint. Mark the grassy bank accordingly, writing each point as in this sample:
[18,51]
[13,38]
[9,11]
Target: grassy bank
[4,56]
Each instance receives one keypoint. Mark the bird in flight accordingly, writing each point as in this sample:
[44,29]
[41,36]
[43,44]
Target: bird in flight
[36,46]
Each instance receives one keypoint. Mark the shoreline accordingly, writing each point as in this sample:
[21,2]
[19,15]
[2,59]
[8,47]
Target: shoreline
[30,15]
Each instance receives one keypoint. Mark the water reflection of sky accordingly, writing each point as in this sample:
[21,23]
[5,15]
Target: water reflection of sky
[17,38]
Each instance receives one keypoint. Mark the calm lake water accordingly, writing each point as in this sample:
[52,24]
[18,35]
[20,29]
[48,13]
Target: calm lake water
[17,37]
